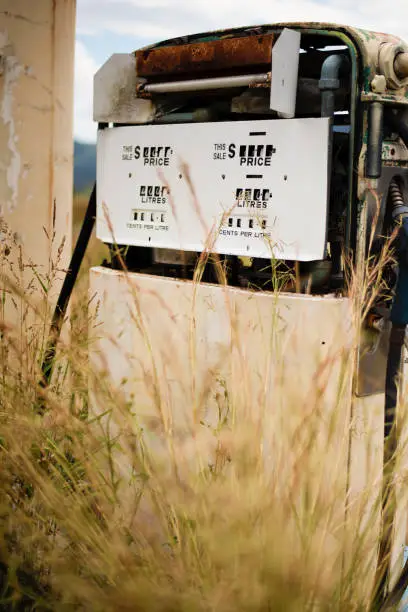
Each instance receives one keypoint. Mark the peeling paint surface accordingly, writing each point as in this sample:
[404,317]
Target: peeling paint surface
[12,72]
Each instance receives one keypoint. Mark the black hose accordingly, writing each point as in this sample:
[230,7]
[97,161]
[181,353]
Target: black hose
[397,593]
[394,361]
[382,601]
[66,290]
[399,319]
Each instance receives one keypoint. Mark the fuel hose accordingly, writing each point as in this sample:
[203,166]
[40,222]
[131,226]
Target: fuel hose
[399,320]
[71,276]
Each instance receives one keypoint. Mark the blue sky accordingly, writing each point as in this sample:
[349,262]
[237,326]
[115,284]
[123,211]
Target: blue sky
[105,27]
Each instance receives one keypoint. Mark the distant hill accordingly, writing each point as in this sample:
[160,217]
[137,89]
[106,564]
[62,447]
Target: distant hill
[84,166]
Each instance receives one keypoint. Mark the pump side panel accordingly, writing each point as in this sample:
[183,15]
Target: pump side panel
[365,475]
[277,368]
[366,470]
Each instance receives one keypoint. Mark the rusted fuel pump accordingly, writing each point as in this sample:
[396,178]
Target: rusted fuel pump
[284,142]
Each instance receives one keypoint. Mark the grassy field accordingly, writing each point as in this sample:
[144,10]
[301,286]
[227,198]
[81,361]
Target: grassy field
[95,255]
[92,519]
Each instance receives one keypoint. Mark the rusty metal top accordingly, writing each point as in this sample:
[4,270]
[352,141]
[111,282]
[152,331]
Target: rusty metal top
[210,56]
[224,48]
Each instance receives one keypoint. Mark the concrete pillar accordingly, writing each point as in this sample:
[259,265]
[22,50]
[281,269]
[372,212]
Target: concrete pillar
[37,42]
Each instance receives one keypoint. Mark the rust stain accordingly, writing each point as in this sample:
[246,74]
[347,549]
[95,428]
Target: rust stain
[54,214]
[51,200]
[225,53]
[20,17]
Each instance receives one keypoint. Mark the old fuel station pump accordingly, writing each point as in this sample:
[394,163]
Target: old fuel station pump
[286,141]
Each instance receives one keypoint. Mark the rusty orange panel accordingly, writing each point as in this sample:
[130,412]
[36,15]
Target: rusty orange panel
[211,56]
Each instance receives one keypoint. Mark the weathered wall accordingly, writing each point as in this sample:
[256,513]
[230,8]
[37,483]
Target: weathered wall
[36,116]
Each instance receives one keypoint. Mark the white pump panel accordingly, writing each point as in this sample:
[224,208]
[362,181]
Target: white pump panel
[285,69]
[242,188]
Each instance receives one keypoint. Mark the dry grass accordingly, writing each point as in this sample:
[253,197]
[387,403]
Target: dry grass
[105,510]
[97,251]
[94,256]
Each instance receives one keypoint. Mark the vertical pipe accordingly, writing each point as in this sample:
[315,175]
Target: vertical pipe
[37,42]
[332,68]
[375,140]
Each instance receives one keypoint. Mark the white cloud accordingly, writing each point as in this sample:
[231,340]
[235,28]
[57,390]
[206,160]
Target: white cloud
[147,30]
[85,68]
[175,17]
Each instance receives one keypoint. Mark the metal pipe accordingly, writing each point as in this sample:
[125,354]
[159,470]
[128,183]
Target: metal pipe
[330,81]
[206,84]
[401,65]
[375,140]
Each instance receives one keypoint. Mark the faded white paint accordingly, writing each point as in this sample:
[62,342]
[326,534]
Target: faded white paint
[114,97]
[11,73]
